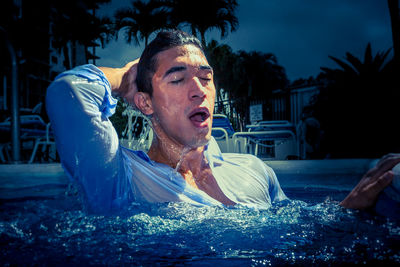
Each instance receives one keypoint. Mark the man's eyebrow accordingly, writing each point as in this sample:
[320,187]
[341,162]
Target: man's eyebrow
[182,68]
[206,67]
[174,69]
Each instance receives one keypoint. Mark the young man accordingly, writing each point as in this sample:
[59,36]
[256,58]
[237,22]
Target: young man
[174,87]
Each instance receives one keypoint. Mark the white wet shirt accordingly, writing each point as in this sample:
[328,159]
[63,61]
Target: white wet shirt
[79,103]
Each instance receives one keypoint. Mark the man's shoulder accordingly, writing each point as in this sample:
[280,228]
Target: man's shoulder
[248,161]
[238,156]
[138,157]
[87,72]
[243,159]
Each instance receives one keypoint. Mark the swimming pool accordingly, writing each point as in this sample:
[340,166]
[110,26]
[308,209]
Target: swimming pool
[43,222]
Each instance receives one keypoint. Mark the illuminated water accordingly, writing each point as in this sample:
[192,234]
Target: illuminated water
[312,232]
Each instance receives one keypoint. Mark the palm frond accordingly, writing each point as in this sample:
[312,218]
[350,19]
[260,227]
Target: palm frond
[368,54]
[346,67]
[355,62]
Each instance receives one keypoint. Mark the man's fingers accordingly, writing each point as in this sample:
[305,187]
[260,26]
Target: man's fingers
[131,63]
[388,158]
[382,182]
[374,181]
[385,164]
[128,86]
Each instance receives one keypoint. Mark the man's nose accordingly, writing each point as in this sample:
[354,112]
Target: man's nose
[197,90]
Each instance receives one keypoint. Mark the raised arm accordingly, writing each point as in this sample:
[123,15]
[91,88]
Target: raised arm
[79,103]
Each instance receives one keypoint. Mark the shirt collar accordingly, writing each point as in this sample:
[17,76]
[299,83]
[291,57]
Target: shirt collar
[211,152]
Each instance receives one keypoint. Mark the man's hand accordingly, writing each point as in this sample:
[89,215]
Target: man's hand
[123,80]
[366,192]
[128,87]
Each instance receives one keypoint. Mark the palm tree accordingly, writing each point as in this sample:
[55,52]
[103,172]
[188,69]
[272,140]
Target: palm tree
[394,10]
[204,15]
[141,20]
[223,61]
[354,67]
[244,76]
[263,73]
[356,105]
[75,22]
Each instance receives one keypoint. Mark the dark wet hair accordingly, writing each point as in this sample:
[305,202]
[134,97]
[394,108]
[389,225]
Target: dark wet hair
[148,61]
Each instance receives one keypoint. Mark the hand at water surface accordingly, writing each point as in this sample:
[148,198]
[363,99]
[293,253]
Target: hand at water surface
[365,193]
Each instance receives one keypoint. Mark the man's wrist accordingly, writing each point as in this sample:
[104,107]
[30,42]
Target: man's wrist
[114,77]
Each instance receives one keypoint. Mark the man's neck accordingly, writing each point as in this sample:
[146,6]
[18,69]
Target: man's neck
[192,164]
[181,158]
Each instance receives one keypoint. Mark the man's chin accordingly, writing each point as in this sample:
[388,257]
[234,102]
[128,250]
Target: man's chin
[200,141]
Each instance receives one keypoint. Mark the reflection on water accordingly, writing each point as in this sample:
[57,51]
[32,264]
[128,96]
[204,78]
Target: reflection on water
[58,231]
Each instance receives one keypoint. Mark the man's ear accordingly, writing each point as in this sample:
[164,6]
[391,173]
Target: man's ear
[143,103]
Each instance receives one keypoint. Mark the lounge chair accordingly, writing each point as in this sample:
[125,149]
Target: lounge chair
[270,126]
[44,141]
[222,131]
[274,144]
[32,129]
[266,139]
[271,139]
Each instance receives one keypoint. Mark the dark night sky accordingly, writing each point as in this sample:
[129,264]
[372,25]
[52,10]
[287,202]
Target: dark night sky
[301,33]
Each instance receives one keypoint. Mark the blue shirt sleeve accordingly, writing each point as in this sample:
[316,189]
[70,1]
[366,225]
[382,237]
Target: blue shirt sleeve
[94,74]
[79,103]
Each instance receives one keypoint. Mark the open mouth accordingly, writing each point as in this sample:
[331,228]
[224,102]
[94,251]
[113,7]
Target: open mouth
[198,116]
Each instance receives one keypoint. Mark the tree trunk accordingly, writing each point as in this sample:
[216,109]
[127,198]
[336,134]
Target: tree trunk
[395,21]
[73,54]
[67,63]
[219,100]
[203,38]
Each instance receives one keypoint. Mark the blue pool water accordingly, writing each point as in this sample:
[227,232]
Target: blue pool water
[310,230]
[318,232]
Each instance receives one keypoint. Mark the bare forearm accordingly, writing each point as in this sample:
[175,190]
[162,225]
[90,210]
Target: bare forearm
[114,76]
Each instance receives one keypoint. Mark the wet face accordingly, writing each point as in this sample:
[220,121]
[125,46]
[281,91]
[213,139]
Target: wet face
[183,97]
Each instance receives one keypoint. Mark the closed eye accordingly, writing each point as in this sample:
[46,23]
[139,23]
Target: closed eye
[177,81]
[205,80]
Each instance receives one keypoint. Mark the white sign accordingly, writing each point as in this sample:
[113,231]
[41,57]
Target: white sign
[256,113]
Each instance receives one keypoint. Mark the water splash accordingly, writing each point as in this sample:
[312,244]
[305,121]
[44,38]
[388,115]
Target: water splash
[138,130]
[59,231]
